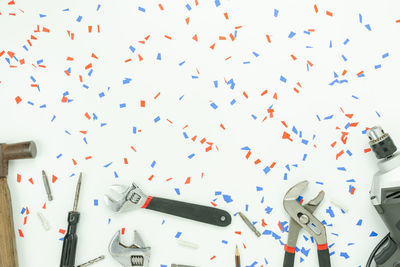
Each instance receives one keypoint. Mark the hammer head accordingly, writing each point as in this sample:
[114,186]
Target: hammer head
[8,152]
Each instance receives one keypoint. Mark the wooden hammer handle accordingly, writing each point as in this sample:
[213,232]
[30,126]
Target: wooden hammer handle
[8,251]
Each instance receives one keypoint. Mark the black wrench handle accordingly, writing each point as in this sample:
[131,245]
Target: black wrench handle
[190,211]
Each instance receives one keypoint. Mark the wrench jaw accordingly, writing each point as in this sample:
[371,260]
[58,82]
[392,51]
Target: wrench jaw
[123,198]
[135,255]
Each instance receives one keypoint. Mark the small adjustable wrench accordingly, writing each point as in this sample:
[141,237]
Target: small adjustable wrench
[135,255]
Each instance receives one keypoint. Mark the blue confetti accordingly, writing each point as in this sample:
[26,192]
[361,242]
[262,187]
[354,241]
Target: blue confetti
[267,170]
[227,198]
[213,105]
[107,165]
[344,254]
[330,212]
[373,234]
[153,164]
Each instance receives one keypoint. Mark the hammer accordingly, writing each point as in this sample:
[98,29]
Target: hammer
[8,251]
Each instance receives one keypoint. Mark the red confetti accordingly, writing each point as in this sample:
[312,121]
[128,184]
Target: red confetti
[187,180]
[18,100]
[339,154]
[286,136]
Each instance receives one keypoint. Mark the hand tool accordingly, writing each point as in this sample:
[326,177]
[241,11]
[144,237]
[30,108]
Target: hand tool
[385,196]
[135,255]
[123,198]
[249,224]
[302,217]
[71,238]
[92,261]
[237,257]
[8,250]
[47,186]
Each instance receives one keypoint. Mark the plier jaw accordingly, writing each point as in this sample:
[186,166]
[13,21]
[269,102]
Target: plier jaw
[302,217]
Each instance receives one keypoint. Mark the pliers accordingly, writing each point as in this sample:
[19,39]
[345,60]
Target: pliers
[302,217]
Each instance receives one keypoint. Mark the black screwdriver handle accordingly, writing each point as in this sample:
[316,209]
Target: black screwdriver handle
[324,258]
[190,211]
[70,241]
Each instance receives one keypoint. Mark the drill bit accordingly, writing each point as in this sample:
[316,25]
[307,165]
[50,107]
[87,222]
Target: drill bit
[249,224]
[46,185]
[92,261]
[71,238]
[78,190]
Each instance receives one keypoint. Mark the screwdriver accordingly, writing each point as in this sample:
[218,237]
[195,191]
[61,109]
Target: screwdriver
[71,238]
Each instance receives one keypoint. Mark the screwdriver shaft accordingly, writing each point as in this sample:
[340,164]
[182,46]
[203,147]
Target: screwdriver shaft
[78,189]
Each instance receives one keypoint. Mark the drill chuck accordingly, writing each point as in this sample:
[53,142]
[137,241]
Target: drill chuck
[381,143]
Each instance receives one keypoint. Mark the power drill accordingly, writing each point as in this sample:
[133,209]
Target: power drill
[385,196]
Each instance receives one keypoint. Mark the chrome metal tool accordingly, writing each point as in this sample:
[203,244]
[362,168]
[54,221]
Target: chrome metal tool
[302,217]
[135,255]
[124,198]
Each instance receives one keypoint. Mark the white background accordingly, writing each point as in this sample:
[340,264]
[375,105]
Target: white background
[226,169]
